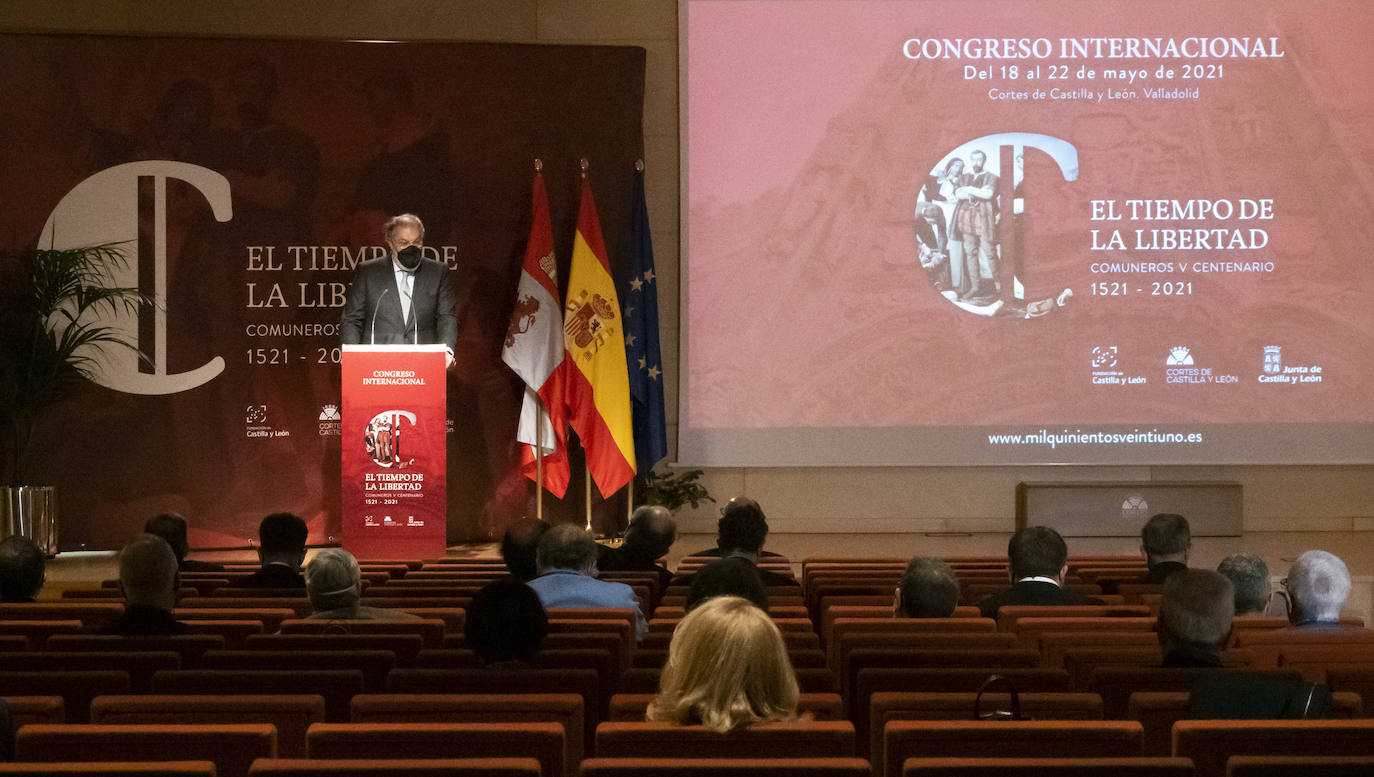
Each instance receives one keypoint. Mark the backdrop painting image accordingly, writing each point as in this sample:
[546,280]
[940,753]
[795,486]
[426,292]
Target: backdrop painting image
[243,189]
[1018,232]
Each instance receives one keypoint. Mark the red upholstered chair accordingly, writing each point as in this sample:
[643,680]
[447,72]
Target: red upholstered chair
[189,646]
[1030,628]
[726,767]
[1211,742]
[1115,684]
[1306,766]
[582,682]
[114,769]
[542,741]
[945,680]
[796,739]
[1354,678]
[299,605]
[1047,767]
[1313,661]
[1158,712]
[337,686]
[903,739]
[838,623]
[231,747]
[564,709]
[430,630]
[995,660]
[404,646]
[645,680]
[38,631]
[76,688]
[1008,617]
[270,617]
[886,706]
[140,664]
[406,767]
[234,630]
[1053,644]
[35,709]
[89,613]
[290,714]
[631,707]
[1266,644]
[374,664]
[846,641]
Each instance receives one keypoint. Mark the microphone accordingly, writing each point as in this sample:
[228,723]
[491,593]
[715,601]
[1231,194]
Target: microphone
[373,326]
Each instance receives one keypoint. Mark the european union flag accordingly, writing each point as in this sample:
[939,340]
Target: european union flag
[639,300]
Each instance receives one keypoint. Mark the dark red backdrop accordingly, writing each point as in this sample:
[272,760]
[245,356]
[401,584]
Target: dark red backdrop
[355,131]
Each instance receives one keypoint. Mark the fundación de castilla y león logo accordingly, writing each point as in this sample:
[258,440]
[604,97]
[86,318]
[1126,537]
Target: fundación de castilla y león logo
[1104,356]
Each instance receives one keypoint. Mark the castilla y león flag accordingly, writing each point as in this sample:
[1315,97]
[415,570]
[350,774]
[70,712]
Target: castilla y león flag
[598,391]
[534,350]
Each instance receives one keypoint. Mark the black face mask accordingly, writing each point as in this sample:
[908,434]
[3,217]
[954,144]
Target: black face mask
[409,257]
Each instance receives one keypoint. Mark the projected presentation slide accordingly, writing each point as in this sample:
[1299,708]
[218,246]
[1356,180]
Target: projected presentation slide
[1012,232]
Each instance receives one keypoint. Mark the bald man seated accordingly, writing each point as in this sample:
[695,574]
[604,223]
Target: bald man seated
[148,579]
[652,531]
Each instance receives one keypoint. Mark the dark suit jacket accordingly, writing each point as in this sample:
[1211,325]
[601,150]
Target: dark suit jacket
[373,295]
[715,553]
[617,560]
[769,577]
[1028,592]
[1163,571]
[274,576]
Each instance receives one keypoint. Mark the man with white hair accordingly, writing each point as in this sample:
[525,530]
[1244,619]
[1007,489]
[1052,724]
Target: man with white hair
[334,583]
[1318,584]
[148,579]
[567,575]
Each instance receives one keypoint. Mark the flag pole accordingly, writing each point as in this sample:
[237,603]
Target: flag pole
[588,470]
[629,501]
[538,458]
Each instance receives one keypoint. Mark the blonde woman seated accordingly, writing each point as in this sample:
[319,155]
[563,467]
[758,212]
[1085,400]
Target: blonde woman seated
[727,668]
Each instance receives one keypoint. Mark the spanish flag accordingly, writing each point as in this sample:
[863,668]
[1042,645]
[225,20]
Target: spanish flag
[597,390]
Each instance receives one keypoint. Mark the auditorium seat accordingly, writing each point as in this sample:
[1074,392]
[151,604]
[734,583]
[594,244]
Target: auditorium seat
[903,739]
[1313,661]
[374,664]
[337,686]
[565,709]
[794,739]
[661,635]
[38,631]
[1355,678]
[89,613]
[231,747]
[1053,644]
[1304,766]
[726,767]
[944,680]
[299,606]
[1266,644]
[404,646]
[862,658]
[76,688]
[290,714]
[542,741]
[645,680]
[1008,616]
[886,706]
[582,682]
[13,643]
[431,631]
[1047,767]
[1158,712]
[398,767]
[1115,684]
[110,769]
[188,646]
[1029,629]
[140,664]
[235,632]
[1210,742]
[35,709]
[631,707]
[270,617]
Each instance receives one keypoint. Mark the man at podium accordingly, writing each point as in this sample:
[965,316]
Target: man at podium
[402,298]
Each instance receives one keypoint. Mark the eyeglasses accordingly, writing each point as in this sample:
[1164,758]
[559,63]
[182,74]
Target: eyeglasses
[1284,595]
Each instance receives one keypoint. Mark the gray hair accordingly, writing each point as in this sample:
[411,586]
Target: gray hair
[1319,584]
[332,580]
[567,546]
[1250,575]
[405,220]
[148,572]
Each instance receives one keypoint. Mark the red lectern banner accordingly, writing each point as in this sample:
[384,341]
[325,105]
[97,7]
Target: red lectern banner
[394,435]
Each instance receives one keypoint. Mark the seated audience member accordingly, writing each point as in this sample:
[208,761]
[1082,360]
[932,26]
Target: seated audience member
[334,584]
[1195,614]
[148,579]
[567,575]
[281,549]
[172,527]
[519,546]
[1318,584]
[22,570]
[928,589]
[745,505]
[1250,576]
[727,668]
[506,624]
[1165,540]
[740,533]
[650,534]
[733,576]
[1039,561]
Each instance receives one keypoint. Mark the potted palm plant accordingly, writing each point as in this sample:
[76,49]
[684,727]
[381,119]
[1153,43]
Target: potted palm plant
[51,331]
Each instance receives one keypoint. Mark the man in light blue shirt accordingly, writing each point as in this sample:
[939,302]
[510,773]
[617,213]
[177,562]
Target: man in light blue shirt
[567,575]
